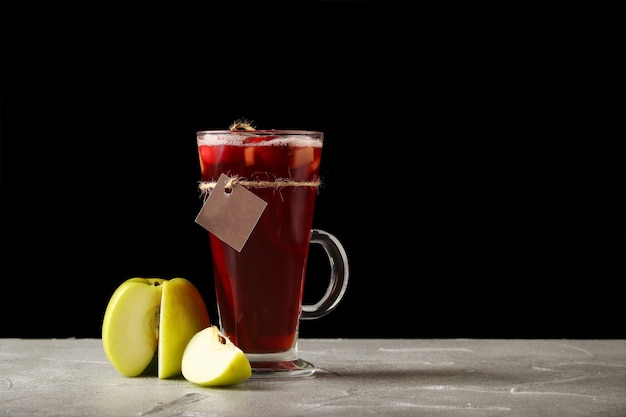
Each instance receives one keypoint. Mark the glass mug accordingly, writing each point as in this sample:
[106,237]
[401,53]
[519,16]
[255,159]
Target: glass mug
[259,290]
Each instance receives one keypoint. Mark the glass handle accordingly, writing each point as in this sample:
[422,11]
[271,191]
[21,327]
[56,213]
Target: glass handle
[339,273]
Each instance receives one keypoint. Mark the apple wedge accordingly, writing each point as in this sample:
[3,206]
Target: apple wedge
[152,318]
[211,359]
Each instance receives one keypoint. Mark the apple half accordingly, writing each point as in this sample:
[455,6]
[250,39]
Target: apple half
[150,319]
[211,359]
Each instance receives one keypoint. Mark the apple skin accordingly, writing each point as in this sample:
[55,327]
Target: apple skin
[211,360]
[183,314]
[152,317]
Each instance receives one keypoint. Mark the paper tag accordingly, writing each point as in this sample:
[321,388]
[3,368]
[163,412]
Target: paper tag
[231,215]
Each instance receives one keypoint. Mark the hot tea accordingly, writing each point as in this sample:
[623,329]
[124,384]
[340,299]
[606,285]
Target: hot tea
[259,290]
[259,282]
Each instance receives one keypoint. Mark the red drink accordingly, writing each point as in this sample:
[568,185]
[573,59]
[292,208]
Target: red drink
[259,290]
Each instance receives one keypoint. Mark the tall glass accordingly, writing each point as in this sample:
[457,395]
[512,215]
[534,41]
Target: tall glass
[259,289]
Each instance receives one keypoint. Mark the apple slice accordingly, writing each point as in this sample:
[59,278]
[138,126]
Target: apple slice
[211,359]
[130,325]
[301,156]
[183,314]
[152,318]
[248,154]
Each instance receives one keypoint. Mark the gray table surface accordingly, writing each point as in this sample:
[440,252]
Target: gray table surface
[356,377]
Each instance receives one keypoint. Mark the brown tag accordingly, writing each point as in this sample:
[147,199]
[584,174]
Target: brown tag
[231,215]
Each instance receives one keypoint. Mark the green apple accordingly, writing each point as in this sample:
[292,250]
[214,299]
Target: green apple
[211,359]
[150,319]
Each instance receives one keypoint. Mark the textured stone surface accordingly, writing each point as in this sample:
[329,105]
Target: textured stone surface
[356,377]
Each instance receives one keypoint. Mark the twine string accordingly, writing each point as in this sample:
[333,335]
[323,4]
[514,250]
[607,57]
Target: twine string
[207,186]
[242,124]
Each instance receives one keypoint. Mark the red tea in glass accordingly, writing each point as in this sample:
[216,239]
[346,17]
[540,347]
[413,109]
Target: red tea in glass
[259,290]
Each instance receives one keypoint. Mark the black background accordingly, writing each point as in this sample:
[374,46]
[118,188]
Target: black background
[464,170]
